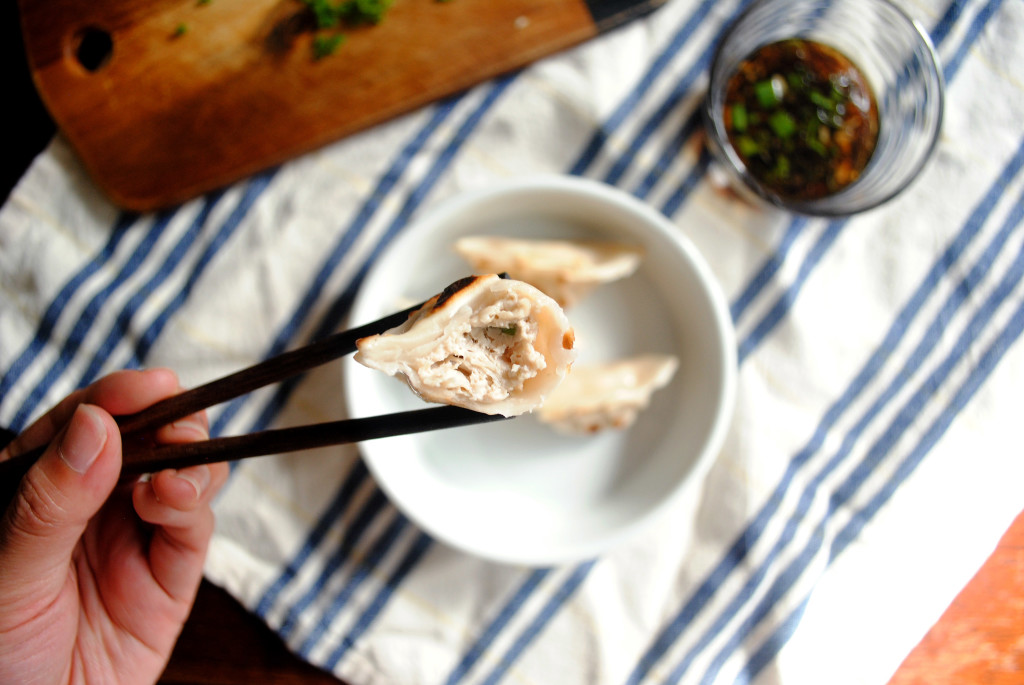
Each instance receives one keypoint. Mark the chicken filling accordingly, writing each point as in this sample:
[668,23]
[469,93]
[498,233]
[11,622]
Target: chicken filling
[489,356]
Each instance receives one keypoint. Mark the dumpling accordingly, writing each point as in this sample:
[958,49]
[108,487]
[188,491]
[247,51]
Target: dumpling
[610,395]
[487,343]
[564,269]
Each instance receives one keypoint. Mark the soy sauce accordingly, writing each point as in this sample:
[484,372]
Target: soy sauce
[802,117]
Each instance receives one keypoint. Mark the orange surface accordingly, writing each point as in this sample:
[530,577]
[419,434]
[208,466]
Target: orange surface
[980,638]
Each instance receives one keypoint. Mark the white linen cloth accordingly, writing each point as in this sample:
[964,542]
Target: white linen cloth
[874,456]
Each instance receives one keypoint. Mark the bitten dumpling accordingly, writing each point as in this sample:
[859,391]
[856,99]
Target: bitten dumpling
[610,395]
[566,270]
[487,343]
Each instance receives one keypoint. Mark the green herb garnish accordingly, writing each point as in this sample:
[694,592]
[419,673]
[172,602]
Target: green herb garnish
[765,93]
[739,117]
[509,330]
[357,12]
[324,46]
[817,146]
[325,13]
[782,168]
[180,30]
[747,146]
[782,123]
[330,17]
[822,101]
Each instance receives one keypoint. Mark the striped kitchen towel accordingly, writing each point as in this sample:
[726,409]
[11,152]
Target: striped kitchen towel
[872,462]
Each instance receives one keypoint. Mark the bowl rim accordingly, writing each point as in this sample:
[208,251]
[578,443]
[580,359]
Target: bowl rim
[726,378]
[723,152]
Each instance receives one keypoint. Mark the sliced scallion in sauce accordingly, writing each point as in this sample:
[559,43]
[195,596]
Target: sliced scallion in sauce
[802,118]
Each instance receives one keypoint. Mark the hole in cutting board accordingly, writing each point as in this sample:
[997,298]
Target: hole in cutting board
[93,47]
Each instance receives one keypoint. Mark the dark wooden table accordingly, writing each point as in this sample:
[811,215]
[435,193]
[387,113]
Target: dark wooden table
[223,644]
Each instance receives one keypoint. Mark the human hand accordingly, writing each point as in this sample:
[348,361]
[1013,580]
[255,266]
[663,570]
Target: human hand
[97,578]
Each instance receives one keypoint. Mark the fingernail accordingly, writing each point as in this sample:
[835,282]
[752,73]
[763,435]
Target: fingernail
[83,440]
[197,477]
[192,425]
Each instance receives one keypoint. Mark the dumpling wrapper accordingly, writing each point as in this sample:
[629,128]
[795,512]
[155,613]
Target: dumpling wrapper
[604,396]
[567,270]
[486,343]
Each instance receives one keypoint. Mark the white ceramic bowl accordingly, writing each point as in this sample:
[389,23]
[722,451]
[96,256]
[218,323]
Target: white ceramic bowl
[516,491]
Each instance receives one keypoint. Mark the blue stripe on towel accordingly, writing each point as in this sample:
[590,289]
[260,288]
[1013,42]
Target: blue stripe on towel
[738,552]
[254,188]
[85,318]
[979,374]
[339,308]
[692,128]
[953,64]
[884,446]
[878,452]
[689,184]
[599,139]
[778,311]
[948,20]
[44,331]
[991,357]
[359,574]
[123,321]
[697,70]
[419,548]
[768,650]
[764,275]
[353,534]
[357,475]
[497,624]
[540,621]
[171,261]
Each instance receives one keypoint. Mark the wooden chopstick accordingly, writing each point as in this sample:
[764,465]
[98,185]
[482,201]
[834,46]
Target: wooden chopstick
[152,458]
[265,373]
[141,456]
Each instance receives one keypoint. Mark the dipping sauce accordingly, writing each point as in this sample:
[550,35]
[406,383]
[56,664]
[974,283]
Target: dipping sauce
[802,117]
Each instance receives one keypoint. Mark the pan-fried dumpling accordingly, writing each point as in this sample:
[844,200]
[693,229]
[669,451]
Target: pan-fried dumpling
[609,395]
[566,270]
[487,343]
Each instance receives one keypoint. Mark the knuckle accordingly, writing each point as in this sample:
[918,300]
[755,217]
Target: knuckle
[36,511]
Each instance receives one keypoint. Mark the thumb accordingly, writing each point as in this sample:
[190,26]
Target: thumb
[59,494]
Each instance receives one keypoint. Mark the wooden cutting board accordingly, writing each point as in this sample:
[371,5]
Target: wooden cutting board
[167,99]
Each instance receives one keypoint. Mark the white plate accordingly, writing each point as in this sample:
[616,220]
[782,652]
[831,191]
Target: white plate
[516,491]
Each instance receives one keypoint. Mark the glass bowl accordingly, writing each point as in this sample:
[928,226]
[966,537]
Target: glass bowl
[892,51]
